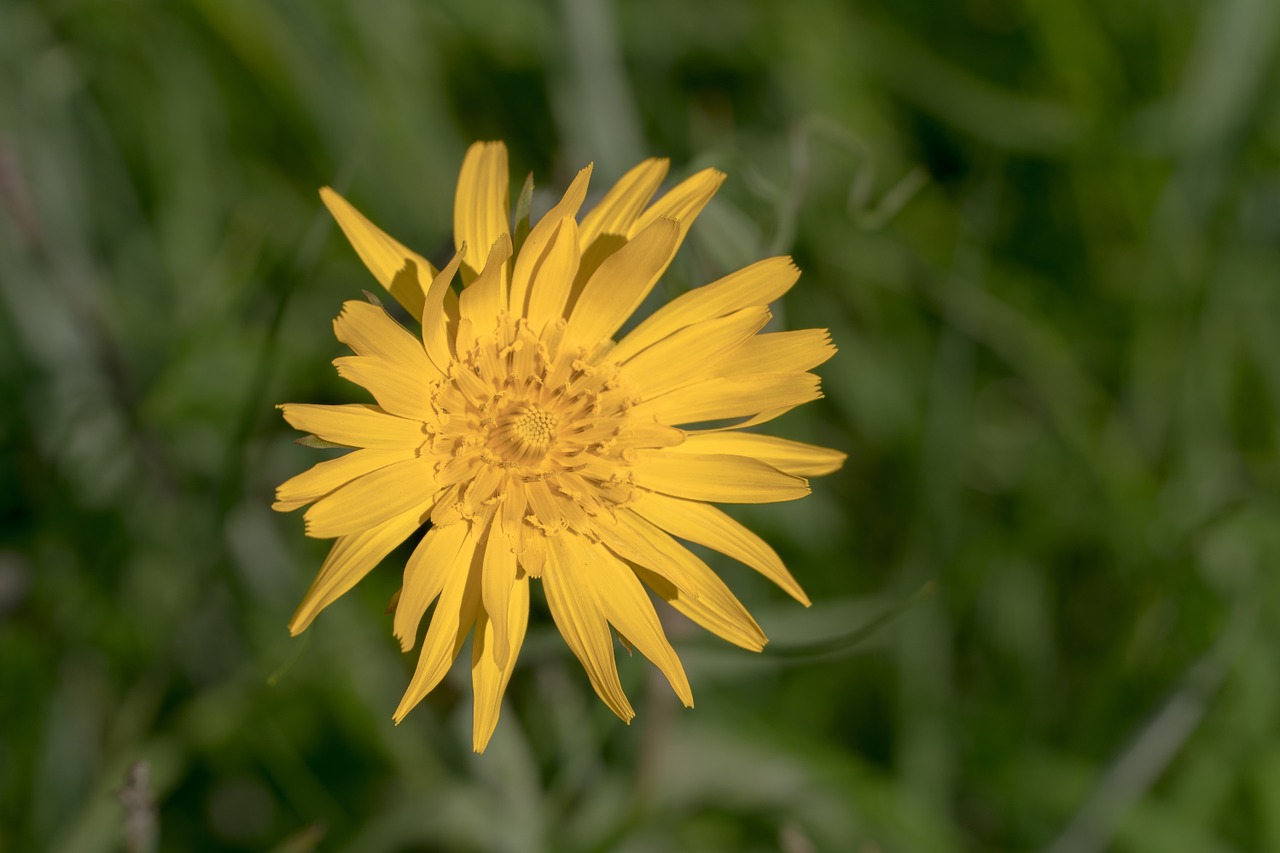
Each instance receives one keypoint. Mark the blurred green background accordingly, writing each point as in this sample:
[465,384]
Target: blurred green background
[1044,234]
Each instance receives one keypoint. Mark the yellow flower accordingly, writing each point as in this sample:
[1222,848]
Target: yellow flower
[538,447]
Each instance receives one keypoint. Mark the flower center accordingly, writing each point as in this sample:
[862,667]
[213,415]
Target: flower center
[527,423]
[523,433]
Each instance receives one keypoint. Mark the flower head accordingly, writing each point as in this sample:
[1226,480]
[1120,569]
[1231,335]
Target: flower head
[536,446]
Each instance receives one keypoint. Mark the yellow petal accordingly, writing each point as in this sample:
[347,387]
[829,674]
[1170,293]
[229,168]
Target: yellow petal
[723,479]
[625,605]
[480,303]
[350,559]
[545,506]
[382,254]
[370,331]
[689,354]
[372,499]
[482,489]
[455,613]
[442,551]
[755,420]
[440,317]
[511,511]
[400,392]
[681,579]
[323,477]
[682,203]
[709,526]
[637,433]
[535,245]
[621,283]
[553,277]
[622,204]
[583,626]
[499,579]
[759,284]
[739,396]
[533,552]
[606,228]
[793,457]
[482,204]
[489,678]
[355,425]
[780,352]
[702,613]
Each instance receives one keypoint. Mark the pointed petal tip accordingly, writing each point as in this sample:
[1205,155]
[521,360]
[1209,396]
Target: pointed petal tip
[303,616]
[710,180]
[481,144]
[756,641]
[334,202]
[623,711]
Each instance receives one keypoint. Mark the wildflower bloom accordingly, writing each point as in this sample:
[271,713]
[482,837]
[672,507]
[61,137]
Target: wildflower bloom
[537,446]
